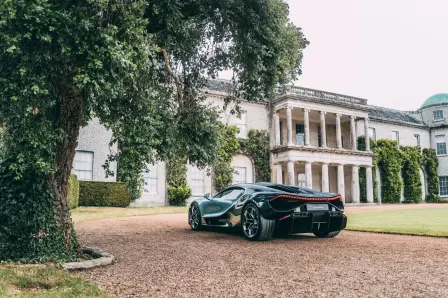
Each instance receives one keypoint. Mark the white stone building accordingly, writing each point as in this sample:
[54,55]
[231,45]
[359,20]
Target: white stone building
[313,142]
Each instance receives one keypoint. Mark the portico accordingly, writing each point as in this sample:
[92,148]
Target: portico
[316,143]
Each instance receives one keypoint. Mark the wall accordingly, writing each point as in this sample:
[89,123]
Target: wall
[384,131]
[159,198]
[95,137]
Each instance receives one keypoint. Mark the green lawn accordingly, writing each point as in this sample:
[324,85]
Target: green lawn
[81,214]
[16,281]
[427,222]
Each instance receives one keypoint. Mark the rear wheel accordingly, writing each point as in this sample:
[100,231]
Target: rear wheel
[194,217]
[326,234]
[254,225]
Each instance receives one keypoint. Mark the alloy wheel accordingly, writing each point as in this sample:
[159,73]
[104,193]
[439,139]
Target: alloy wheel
[251,221]
[194,217]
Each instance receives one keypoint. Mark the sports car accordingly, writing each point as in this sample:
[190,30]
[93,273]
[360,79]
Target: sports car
[260,209]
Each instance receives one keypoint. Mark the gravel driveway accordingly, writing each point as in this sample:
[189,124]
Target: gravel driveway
[159,256]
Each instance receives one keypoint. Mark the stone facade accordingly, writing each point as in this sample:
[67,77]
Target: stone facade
[313,141]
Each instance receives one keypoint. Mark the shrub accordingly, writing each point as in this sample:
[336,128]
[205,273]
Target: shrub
[390,163]
[73,191]
[178,195]
[105,194]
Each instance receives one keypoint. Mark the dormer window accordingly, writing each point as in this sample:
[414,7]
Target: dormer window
[438,115]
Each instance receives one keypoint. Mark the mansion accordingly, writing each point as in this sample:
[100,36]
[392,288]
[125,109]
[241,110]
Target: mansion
[313,143]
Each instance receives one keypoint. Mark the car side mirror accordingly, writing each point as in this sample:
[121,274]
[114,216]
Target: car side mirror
[207,196]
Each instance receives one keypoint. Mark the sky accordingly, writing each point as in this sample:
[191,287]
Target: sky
[394,53]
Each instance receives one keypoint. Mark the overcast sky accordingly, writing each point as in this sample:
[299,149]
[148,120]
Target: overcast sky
[392,52]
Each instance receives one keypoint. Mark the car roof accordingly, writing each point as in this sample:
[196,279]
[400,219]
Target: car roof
[275,187]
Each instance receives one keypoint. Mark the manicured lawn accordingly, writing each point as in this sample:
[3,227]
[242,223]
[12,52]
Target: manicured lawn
[16,281]
[81,214]
[428,222]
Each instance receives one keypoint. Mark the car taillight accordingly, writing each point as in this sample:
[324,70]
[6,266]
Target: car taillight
[338,197]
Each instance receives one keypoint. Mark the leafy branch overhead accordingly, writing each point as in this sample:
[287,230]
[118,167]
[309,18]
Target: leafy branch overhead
[63,63]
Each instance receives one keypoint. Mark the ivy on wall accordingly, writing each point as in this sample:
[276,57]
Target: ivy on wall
[412,159]
[430,164]
[390,161]
[257,147]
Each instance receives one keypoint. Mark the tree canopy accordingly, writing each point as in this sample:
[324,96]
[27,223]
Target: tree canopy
[138,66]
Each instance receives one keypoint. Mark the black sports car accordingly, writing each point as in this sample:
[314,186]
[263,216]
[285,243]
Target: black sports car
[261,209]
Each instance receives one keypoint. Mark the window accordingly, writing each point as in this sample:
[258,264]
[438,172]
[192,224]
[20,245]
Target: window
[239,175]
[232,194]
[83,165]
[240,122]
[443,185]
[300,134]
[441,145]
[417,140]
[372,133]
[197,178]
[396,137]
[281,133]
[150,180]
[319,137]
[301,180]
[438,115]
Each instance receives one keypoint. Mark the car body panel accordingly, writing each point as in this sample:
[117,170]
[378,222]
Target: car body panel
[288,205]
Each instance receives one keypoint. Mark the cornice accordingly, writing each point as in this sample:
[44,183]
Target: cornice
[282,148]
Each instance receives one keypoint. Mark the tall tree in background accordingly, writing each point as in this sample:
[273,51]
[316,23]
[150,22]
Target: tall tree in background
[64,62]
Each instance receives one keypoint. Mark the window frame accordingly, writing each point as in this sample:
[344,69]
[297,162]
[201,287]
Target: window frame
[445,186]
[438,153]
[241,123]
[233,176]
[418,139]
[300,129]
[191,179]
[373,129]
[436,119]
[397,136]
[147,177]
[93,163]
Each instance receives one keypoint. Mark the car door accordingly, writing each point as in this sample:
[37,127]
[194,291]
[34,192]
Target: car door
[222,202]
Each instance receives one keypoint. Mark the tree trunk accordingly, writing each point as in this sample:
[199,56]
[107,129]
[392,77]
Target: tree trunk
[70,120]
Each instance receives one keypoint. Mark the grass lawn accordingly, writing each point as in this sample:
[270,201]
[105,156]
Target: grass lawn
[427,222]
[81,214]
[16,281]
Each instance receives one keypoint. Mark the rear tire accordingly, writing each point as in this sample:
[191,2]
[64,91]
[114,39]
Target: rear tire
[326,234]
[254,226]
[194,217]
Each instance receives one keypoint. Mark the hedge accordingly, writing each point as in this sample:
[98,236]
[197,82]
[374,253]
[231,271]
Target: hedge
[430,162]
[73,191]
[390,160]
[103,194]
[412,159]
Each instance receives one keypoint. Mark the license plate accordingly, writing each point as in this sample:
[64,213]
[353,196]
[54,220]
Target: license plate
[317,207]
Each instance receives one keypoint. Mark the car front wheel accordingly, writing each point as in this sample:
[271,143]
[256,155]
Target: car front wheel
[194,217]
[326,234]
[255,227]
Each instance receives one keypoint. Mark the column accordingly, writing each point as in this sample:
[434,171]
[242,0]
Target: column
[341,183]
[289,124]
[355,184]
[338,131]
[369,184]
[325,180]
[309,175]
[323,129]
[279,174]
[366,133]
[353,132]
[277,128]
[290,168]
[306,124]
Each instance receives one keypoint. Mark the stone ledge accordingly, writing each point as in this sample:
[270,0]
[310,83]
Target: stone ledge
[102,258]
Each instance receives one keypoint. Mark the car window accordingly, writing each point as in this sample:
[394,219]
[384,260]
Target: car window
[219,194]
[232,194]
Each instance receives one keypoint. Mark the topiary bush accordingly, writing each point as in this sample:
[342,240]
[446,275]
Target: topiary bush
[103,194]
[178,195]
[73,191]
[412,159]
[430,164]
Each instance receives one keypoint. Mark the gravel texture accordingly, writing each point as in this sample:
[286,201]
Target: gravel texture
[159,256]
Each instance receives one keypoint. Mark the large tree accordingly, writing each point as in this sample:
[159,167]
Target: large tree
[140,68]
